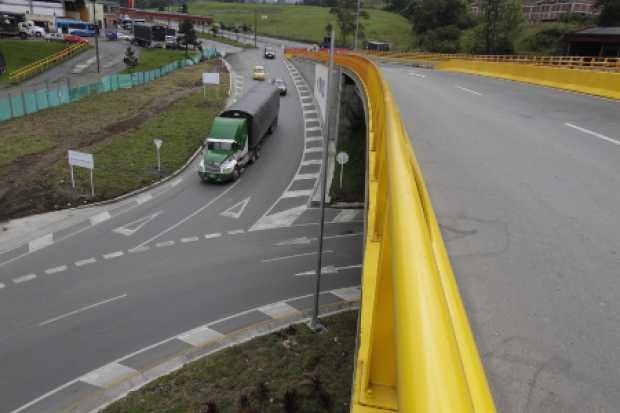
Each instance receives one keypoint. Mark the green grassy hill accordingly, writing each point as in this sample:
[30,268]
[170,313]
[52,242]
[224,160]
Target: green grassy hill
[19,53]
[306,23]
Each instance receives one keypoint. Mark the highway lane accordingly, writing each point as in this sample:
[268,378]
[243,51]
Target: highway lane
[528,208]
[93,298]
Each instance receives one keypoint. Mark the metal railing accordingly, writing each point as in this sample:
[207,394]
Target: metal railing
[41,65]
[416,349]
[571,62]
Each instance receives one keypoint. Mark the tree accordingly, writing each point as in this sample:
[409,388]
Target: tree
[503,21]
[215,29]
[610,12]
[328,29]
[345,12]
[189,34]
[438,23]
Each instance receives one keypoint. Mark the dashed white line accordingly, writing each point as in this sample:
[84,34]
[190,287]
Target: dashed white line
[99,218]
[56,269]
[24,278]
[164,244]
[88,307]
[176,182]
[295,194]
[1,286]
[473,92]
[189,239]
[111,255]
[143,198]
[213,235]
[311,162]
[595,134]
[307,176]
[85,262]
[236,231]
[417,75]
[314,139]
[41,242]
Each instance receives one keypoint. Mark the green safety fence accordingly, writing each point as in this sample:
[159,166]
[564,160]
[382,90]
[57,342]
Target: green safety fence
[28,103]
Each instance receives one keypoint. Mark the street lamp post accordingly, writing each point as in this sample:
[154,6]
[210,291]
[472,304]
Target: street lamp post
[357,23]
[315,323]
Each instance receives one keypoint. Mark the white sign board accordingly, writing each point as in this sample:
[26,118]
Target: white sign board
[210,78]
[320,88]
[158,143]
[342,158]
[85,160]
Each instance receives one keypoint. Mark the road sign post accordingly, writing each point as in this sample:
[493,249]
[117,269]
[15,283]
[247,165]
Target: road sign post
[342,158]
[158,143]
[210,79]
[83,160]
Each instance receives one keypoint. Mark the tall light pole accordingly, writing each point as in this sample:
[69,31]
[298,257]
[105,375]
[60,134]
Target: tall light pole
[357,23]
[96,37]
[255,25]
[315,323]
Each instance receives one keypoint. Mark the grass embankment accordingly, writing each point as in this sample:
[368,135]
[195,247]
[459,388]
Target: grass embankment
[293,370]
[118,128]
[225,40]
[150,59]
[545,38]
[20,53]
[304,23]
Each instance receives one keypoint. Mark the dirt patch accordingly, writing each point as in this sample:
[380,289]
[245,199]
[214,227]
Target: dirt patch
[27,184]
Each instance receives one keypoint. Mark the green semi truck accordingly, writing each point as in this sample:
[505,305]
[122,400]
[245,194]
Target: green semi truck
[237,134]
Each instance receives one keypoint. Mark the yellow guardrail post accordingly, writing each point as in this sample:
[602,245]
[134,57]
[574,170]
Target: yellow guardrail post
[416,349]
[40,65]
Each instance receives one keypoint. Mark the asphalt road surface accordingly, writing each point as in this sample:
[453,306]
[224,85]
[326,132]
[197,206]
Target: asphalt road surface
[524,181]
[194,254]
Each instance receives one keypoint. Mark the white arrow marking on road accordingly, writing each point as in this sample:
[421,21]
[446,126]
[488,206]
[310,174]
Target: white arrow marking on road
[328,269]
[135,226]
[296,241]
[236,210]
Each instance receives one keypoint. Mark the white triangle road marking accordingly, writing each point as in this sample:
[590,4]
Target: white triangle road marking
[236,210]
[134,226]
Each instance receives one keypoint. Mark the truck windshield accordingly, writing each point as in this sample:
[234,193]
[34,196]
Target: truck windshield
[219,145]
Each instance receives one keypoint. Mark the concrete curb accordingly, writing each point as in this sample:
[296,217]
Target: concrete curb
[63,232]
[101,387]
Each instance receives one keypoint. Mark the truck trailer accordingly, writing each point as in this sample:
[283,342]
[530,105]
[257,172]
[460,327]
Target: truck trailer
[12,24]
[237,134]
[150,35]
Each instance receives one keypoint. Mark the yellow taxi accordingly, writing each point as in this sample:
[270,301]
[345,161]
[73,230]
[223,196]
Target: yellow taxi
[259,73]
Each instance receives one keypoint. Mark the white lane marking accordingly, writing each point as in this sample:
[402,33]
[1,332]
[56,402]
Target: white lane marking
[111,255]
[595,134]
[307,176]
[143,198]
[236,231]
[85,262]
[1,286]
[199,336]
[305,254]
[41,242]
[190,216]
[213,235]
[469,90]
[278,310]
[307,111]
[176,182]
[79,310]
[355,234]
[346,215]
[24,278]
[164,244]
[348,294]
[314,139]
[189,239]
[279,219]
[56,269]
[295,241]
[99,218]
[139,249]
[417,75]
[295,194]
[108,374]
[134,226]
[312,162]
[236,210]
[315,149]
[328,270]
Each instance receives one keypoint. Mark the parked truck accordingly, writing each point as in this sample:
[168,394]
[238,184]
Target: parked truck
[15,25]
[237,134]
[149,35]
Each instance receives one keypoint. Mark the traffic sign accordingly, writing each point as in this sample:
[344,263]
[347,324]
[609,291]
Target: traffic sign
[342,158]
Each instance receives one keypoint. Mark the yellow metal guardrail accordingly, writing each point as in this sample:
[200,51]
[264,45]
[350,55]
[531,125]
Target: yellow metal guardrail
[416,349]
[611,64]
[43,64]
[606,84]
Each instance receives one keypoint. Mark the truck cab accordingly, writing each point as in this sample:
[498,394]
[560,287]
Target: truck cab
[225,151]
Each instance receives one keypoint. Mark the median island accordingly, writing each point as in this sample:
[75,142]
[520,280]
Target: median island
[292,370]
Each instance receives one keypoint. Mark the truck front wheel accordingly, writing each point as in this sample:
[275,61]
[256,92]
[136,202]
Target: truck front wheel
[236,174]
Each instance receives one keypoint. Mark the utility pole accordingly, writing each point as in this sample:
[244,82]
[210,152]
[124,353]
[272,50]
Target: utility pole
[357,23]
[255,25]
[315,323]
[96,37]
